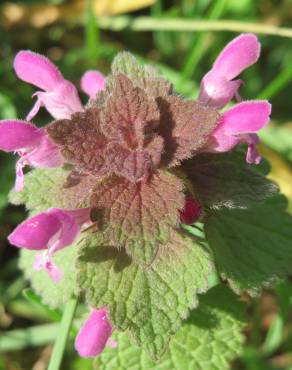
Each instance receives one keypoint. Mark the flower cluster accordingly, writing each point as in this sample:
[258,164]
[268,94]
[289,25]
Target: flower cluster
[131,136]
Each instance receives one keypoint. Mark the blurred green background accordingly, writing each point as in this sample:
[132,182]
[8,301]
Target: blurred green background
[80,34]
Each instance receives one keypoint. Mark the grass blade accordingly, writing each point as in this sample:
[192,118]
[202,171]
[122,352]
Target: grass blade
[151,24]
[198,48]
[91,35]
[63,333]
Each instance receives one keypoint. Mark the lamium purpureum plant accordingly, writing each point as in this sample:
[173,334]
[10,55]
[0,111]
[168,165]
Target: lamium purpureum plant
[150,208]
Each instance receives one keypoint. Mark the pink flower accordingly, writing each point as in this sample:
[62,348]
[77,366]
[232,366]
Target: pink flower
[239,125]
[31,143]
[59,96]
[94,334]
[191,211]
[92,82]
[51,231]
[218,86]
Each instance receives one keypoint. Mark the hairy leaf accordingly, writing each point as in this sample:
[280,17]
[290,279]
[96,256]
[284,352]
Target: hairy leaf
[128,120]
[146,77]
[209,340]
[252,247]
[45,188]
[226,180]
[140,216]
[129,114]
[149,302]
[113,137]
[81,141]
[185,126]
[52,294]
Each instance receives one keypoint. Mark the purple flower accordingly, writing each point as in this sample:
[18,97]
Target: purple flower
[31,143]
[92,82]
[51,231]
[94,334]
[239,125]
[218,86]
[59,96]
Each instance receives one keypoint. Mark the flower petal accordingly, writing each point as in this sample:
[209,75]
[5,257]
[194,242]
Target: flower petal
[219,142]
[60,103]
[94,334]
[60,97]
[238,55]
[47,154]
[246,117]
[35,232]
[34,110]
[37,70]
[52,230]
[252,155]
[216,91]
[16,135]
[217,87]
[19,181]
[69,229]
[92,82]
[44,262]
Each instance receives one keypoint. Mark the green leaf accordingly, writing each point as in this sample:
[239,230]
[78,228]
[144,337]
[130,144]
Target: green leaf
[63,334]
[44,188]
[209,340]
[252,247]
[226,180]
[150,302]
[52,294]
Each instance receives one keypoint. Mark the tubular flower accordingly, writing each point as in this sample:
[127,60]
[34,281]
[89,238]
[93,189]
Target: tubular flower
[239,125]
[31,143]
[50,231]
[191,212]
[92,82]
[94,334]
[59,96]
[218,86]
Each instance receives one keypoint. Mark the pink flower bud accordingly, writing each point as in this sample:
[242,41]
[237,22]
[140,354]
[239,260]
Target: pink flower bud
[191,211]
[92,82]
[94,334]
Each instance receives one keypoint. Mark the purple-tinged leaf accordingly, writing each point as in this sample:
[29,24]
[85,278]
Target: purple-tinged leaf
[140,216]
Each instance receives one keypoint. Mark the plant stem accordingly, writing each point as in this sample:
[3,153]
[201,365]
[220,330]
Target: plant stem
[198,46]
[91,35]
[162,39]
[62,336]
[151,24]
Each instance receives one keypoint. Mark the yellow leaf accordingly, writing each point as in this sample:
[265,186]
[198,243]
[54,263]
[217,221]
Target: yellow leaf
[110,7]
[281,171]
[43,15]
